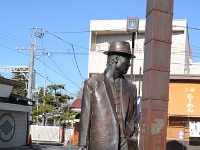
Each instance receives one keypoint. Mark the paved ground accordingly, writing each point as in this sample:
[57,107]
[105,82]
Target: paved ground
[43,146]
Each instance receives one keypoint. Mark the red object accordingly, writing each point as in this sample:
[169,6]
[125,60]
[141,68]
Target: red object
[76,104]
[61,134]
[30,141]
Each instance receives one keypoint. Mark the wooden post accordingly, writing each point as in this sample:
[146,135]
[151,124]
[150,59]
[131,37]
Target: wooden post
[155,93]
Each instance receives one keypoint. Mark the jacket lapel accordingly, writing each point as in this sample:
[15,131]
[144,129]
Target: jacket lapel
[109,94]
[125,96]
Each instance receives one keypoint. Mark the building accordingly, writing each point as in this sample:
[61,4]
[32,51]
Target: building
[183,130]
[105,31]
[183,113]
[14,115]
[76,105]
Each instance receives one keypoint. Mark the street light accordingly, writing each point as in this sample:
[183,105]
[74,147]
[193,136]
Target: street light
[132,24]
[132,27]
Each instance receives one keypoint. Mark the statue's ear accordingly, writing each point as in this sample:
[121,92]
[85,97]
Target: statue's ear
[116,59]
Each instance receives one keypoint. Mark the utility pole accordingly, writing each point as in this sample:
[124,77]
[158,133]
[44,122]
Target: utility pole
[32,49]
[31,69]
[45,81]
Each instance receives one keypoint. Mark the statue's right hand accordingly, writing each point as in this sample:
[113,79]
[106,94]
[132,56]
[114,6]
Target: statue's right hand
[82,148]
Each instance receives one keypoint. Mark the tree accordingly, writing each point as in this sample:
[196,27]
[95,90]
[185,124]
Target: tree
[58,97]
[55,87]
[48,99]
[53,97]
[19,76]
[46,109]
[67,115]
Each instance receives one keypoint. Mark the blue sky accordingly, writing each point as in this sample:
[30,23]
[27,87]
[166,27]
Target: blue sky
[69,22]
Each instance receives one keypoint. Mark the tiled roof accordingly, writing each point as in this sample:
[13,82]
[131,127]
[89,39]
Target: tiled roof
[76,104]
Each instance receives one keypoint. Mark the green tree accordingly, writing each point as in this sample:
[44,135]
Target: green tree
[55,87]
[40,110]
[18,76]
[53,97]
[58,97]
[48,99]
[50,104]
[67,115]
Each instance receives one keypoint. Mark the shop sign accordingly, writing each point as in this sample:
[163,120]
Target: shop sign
[181,134]
[184,99]
[194,129]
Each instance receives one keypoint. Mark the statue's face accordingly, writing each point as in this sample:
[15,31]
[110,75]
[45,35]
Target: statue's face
[123,64]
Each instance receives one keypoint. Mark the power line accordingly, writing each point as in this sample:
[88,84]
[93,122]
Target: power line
[54,83]
[86,31]
[10,40]
[58,52]
[69,53]
[71,72]
[193,28]
[60,75]
[53,33]
[76,62]
[72,45]
[63,73]
[13,49]
[65,40]
[15,36]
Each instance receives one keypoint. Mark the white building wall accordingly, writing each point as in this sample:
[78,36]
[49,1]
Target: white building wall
[106,31]
[13,128]
[195,68]
[178,53]
[5,90]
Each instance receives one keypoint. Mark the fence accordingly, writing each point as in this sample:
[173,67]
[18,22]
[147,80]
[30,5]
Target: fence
[50,133]
[45,133]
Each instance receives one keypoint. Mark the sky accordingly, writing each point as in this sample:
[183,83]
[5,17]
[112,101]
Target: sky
[62,52]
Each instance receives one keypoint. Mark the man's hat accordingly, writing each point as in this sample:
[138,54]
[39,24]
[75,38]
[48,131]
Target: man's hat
[120,47]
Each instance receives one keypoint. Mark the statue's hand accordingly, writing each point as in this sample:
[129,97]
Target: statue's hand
[82,148]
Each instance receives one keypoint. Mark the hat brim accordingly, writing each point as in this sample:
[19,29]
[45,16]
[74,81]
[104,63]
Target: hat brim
[111,52]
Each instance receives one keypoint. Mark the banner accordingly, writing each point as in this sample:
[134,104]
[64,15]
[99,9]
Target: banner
[184,99]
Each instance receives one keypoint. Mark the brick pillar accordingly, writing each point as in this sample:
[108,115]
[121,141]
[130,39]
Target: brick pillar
[155,93]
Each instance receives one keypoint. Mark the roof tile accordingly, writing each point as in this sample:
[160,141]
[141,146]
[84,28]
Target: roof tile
[77,103]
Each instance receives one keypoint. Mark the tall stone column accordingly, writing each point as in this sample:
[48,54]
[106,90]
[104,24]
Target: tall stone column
[155,90]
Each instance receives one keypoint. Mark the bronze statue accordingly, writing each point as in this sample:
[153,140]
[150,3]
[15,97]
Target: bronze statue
[109,105]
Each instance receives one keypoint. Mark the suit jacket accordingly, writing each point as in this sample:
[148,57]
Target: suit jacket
[99,128]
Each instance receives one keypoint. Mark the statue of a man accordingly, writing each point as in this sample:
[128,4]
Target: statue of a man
[109,105]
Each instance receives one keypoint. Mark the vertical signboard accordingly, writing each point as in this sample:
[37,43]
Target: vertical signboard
[194,129]
[184,99]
